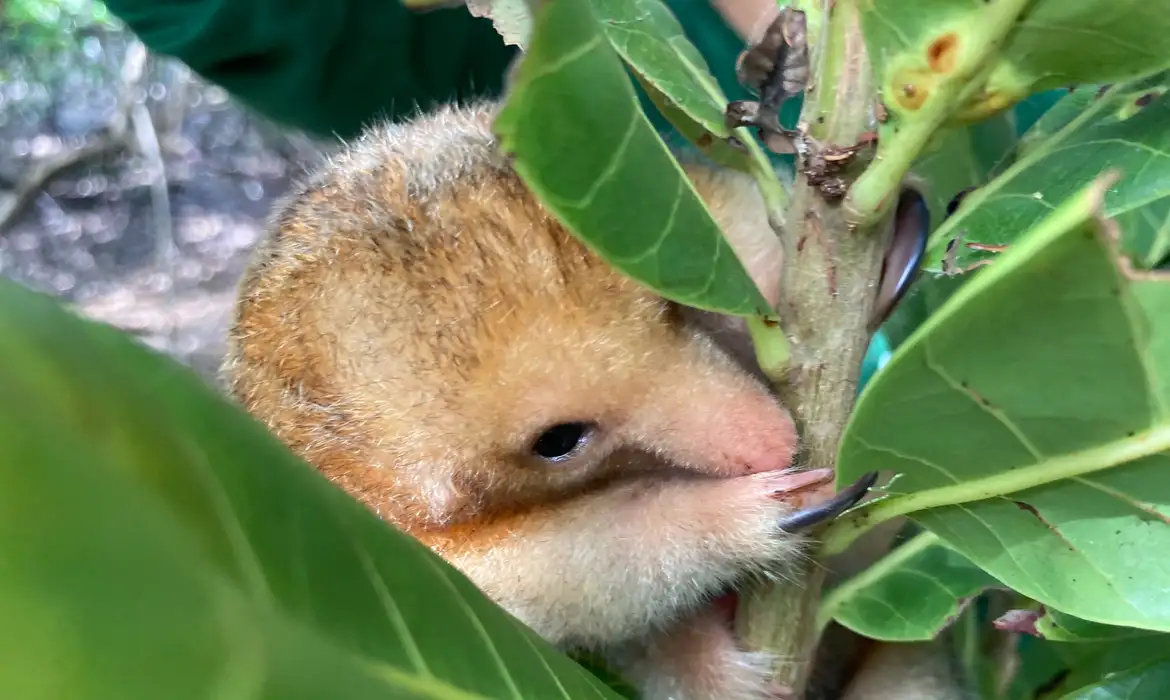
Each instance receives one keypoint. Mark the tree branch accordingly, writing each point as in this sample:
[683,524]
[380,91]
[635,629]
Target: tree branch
[828,286]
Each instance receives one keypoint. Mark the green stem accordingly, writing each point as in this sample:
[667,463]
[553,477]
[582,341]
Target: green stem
[772,189]
[844,531]
[898,148]
[772,350]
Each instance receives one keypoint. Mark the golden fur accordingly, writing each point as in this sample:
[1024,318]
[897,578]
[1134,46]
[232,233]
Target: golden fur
[416,319]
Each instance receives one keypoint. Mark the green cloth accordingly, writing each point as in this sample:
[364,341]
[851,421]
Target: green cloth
[331,66]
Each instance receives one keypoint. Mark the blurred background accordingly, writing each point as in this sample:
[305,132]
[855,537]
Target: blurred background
[129,188]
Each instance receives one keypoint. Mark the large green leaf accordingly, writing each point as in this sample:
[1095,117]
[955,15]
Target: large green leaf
[909,595]
[1068,147]
[159,543]
[581,142]
[1029,421]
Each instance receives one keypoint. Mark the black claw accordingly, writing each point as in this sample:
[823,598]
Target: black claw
[831,508]
[902,261]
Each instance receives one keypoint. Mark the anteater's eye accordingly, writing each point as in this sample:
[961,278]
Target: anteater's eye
[562,441]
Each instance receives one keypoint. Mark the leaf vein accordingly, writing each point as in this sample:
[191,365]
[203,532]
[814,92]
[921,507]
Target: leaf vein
[475,621]
[901,455]
[993,412]
[544,70]
[1124,498]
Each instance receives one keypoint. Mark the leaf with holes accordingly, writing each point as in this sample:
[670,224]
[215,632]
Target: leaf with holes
[1127,128]
[909,595]
[158,542]
[579,139]
[1029,419]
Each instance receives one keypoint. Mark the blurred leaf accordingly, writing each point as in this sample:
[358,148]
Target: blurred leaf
[1063,113]
[511,18]
[1041,668]
[1068,147]
[1132,668]
[1028,419]
[1027,113]
[1140,683]
[158,543]
[579,139]
[1147,232]
[910,595]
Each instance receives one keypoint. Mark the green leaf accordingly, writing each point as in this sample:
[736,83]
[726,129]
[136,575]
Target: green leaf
[158,543]
[651,41]
[581,142]
[909,595]
[1068,147]
[1141,683]
[957,61]
[1147,229]
[1029,419]
[718,150]
[1048,48]
[1052,670]
[1130,669]
[923,299]
[1060,627]
[951,163]
[958,158]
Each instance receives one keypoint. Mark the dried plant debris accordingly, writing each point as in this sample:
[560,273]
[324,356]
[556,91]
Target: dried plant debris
[776,68]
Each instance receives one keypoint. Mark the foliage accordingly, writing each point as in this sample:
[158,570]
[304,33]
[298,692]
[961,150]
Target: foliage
[623,181]
[40,24]
[1023,411]
[1026,410]
[40,42]
[157,541]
